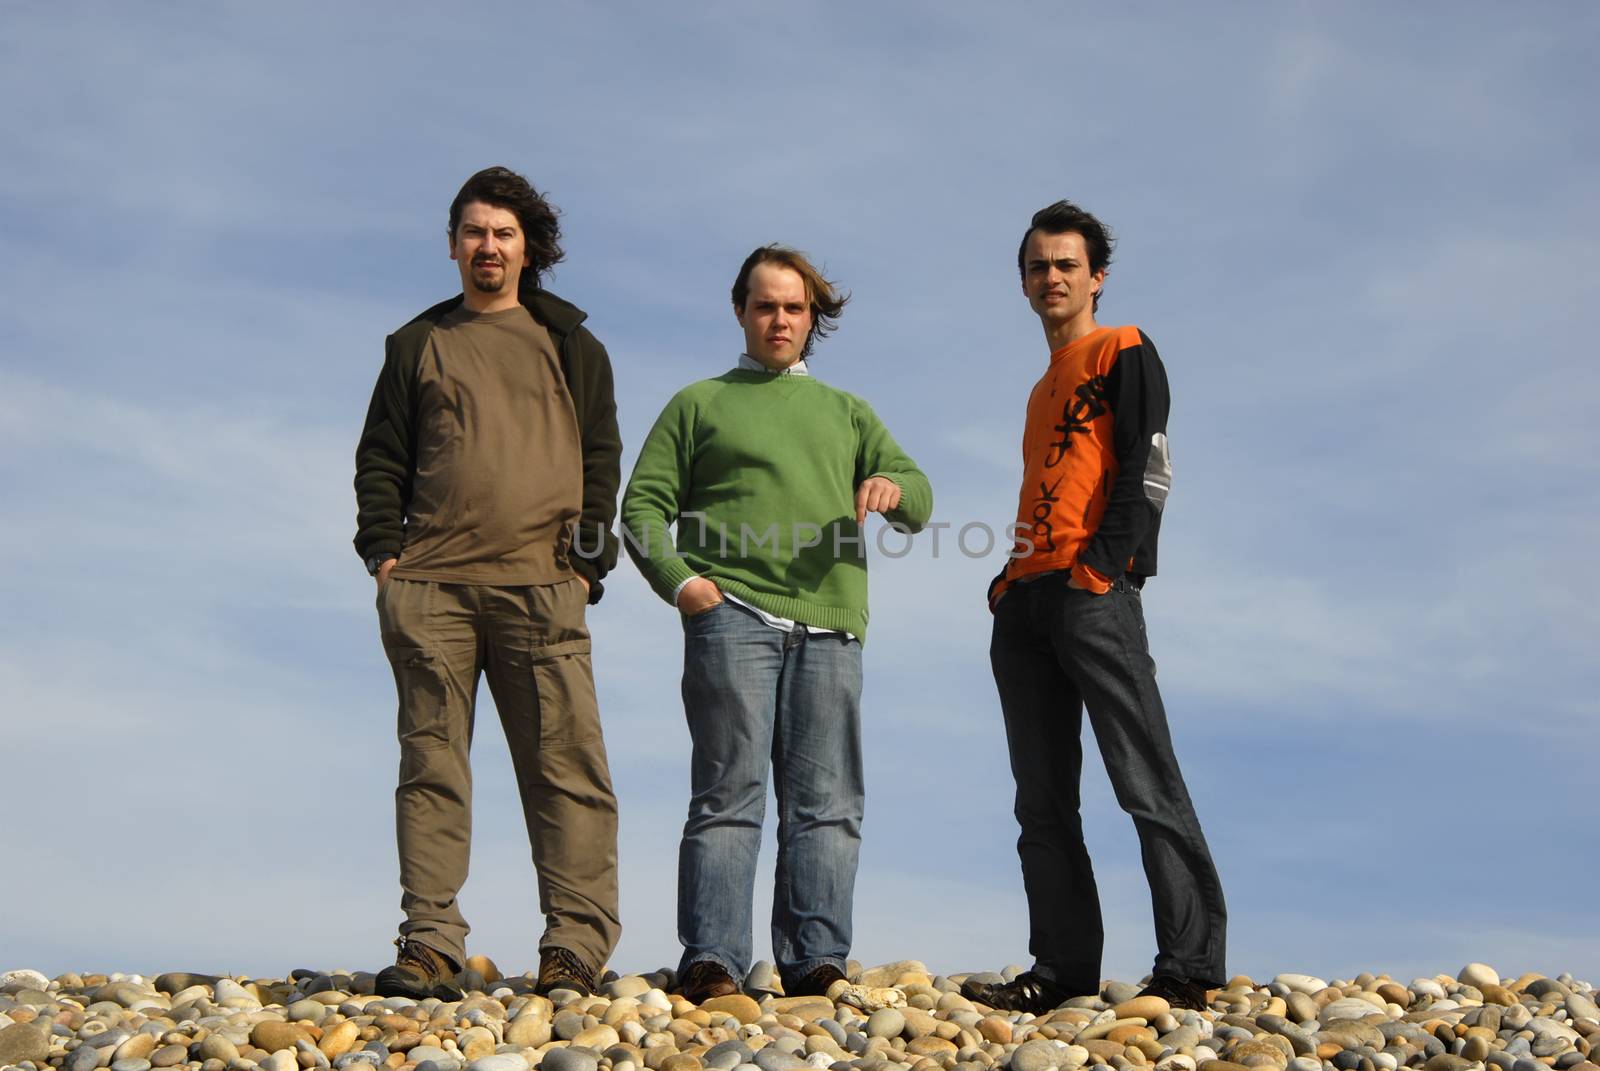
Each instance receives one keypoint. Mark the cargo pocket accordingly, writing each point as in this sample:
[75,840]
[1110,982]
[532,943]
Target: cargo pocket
[568,711]
[419,682]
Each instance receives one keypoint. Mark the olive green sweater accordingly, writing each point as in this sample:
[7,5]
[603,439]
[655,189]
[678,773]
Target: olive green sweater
[759,472]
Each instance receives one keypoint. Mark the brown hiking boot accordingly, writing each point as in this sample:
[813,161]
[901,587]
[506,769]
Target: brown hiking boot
[419,972]
[815,984]
[1178,992]
[560,968]
[706,979]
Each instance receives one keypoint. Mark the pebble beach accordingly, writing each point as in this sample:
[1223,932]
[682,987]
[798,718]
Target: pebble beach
[890,1017]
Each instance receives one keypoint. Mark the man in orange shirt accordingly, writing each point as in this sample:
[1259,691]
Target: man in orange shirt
[1069,634]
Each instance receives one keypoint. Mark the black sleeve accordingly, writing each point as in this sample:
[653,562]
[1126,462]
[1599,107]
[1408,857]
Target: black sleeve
[1136,390]
[595,544]
[385,462]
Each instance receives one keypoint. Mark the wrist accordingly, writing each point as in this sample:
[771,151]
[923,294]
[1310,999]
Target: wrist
[375,562]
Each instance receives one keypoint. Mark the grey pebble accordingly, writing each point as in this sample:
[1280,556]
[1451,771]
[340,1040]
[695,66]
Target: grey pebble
[834,1029]
[772,1058]
[132,1064]
[445,1063]
[567,1025]
[359,1058]
[569,1060]
[1036,1055]
[886,1023]
[500,1061]
[83,1058]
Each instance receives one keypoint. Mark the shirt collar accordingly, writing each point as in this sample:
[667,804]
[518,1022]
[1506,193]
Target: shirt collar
[750,364]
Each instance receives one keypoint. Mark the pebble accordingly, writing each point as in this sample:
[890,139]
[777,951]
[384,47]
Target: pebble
[895,1016]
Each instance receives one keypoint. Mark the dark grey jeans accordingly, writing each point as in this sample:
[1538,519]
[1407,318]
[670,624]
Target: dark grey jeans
[1056,650]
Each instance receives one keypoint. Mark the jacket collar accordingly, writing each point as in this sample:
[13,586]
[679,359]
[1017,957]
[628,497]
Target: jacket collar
[555,313]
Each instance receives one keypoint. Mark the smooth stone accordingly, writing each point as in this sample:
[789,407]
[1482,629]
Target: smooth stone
[281,1060]
[505,1061]
[567,1024]
[23,1041]
[1447,1062]
[887,974]
[886,1023]
[1475,1049]
[1301,1007]
[681,1061]
[217,1047]
[741,1007]
[83,1058]
[728,1054]
[271,1035]
[1546,988]
[305,1011]
[599,1037]
[1550,1027]
[1115,992]
[135,1064]
[1145,1008]
[811,1009]
[445,1062]
[1305,1063]
[1035,1055]
[24,977]
[1346,1008]
[1579,1006]
[138,1047]
[169,1055]
[568,1060]
[1478,975]
[1301,983]
[762,977]
[528,1031]
[339,1039]
[429,1052]
[771,1058]
[629,985]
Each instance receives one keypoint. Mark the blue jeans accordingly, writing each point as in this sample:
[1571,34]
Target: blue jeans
[1056,650]
[755,695]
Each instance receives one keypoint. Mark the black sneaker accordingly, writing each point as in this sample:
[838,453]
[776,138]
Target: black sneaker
[1027,992]
[418,972]
[706,979]
[1176,991]
[560,968]
[814,984]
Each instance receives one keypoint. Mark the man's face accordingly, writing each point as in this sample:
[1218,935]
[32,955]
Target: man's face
[1057,280]
[489,249]
[776,316]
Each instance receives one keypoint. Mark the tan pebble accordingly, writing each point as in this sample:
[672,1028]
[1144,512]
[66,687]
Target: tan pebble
[392,1021]
[1146,1008]
[995,1029]
[681,1061]
[1150,1047]
[1221,1065]
[340,1039]
[1394,993]
[169,1056]
[1259,1053]
[404,1041]
[1125,1033]
[217,1047]
[528,1031]
[698,1016]
[738,1005]
[1499,994]
[910,978]
[396,1060]
[484,966]
[807,1009]
[930,1046]
[1134,1056]
[138,1047]
[1102,1048]
[599,1037]
[478,1042]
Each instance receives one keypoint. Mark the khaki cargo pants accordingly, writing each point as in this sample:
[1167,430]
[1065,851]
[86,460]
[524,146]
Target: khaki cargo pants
[532,644]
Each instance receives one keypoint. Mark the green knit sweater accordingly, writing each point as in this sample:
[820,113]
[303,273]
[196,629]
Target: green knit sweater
[759,472]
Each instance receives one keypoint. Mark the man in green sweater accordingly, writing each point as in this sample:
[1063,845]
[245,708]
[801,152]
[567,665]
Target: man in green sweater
[769,476]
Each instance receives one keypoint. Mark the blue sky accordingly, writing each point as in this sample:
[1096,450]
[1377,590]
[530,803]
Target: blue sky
[1362,237]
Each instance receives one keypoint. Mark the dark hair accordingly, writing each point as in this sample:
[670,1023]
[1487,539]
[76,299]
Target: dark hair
[1064,217]
[541,233]
[826,300]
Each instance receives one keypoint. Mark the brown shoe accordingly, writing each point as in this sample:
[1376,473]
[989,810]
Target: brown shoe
[706,979]
[815,984]
[1178,992]
[560,968]
[419,972]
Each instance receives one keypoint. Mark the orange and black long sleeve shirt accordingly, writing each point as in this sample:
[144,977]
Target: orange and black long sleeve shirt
[1096,469]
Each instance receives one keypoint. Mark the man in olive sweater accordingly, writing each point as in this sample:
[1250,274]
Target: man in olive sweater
[486,482]
[769,475]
